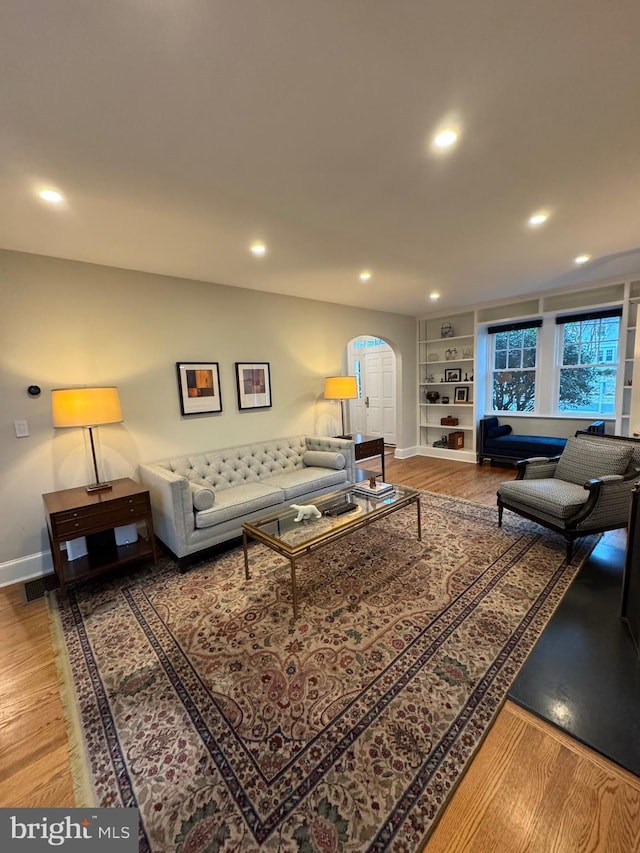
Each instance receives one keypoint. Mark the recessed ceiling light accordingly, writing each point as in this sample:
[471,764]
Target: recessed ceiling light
[538,218]
[52,196]
[434,295]
[445,138]
[582,259]
[259,249]
[365,275]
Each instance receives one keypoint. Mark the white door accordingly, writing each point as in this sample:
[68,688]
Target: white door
[379,392]
[372,394]
[374,412]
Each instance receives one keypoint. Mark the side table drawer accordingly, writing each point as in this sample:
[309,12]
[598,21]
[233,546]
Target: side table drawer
[72,523]
[369,448]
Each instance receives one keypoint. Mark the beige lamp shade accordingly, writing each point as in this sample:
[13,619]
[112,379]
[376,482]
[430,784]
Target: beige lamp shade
[85,407]
[340,388]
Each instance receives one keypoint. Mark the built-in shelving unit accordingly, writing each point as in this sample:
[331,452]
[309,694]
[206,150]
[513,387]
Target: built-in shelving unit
[458,342]
[446,377]
[629,341]
[629,420]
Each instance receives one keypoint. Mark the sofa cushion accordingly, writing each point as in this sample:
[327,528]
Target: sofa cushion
[496,432]
[557,498]
[304,480]
[203,497]
[238,501]
[581,461]
[324,459]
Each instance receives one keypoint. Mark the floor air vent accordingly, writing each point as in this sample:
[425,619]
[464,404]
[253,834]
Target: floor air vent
[37,588]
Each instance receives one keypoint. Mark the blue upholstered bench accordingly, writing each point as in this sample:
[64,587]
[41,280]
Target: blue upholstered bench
[500,444]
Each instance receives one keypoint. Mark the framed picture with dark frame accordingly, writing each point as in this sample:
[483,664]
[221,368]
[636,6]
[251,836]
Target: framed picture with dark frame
[452,374]
[461,394]
[253,380]
[199,387]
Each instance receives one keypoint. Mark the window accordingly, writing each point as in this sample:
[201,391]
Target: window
[514,352]
[588,346]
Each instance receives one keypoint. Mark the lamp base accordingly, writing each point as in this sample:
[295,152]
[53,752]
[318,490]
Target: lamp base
[98,487]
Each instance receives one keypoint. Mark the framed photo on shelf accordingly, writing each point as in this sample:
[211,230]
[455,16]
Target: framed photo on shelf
[453,374]
[254,385]
[461,394]
[199,387]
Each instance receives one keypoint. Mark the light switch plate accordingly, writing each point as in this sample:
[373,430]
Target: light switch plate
[22,429]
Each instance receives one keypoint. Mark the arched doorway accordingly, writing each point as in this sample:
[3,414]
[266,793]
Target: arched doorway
[374,413]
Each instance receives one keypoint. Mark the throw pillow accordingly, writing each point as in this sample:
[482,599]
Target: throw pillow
[324,459]
[496,432]
[203,496]
[581,461]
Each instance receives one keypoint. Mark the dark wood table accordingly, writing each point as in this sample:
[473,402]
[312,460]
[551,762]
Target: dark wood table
[72,513]
[366,447]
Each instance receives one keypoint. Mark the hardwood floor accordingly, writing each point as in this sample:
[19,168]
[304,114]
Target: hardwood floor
[530,787]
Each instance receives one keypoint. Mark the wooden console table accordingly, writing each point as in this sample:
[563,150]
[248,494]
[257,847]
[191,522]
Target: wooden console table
[72,513]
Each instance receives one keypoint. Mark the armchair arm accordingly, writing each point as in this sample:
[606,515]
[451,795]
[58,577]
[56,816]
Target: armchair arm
[608,504]
[536,467]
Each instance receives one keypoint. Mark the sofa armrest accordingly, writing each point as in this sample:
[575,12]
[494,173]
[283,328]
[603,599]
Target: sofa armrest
[336,445]
[171,505]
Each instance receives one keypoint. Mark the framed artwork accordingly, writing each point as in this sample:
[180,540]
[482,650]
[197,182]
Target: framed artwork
[461,394]
[199,387]
[254,384]
[453,374]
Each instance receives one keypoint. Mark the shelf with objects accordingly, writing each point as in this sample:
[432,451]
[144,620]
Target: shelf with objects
[628,422]
[446,386]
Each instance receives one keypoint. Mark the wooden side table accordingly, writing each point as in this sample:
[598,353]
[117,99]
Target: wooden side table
[72,513]
[367,446]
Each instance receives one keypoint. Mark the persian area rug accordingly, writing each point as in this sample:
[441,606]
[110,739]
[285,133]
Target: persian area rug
[232,727]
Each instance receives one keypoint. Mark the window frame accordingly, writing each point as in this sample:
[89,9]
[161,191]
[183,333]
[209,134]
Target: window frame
[562,321]
[492,332]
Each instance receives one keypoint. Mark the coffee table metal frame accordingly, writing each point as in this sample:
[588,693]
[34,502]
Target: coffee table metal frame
[370,510]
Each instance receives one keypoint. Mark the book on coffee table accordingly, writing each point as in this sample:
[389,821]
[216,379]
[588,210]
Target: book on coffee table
[379,490]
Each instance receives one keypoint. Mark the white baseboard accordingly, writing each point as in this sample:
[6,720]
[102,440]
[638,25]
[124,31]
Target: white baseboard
[445,453]
[405,452]
[26,568]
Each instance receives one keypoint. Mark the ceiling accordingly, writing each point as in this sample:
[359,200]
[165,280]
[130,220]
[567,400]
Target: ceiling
[180,132]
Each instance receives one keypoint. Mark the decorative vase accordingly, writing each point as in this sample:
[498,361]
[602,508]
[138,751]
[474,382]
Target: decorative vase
[433,396]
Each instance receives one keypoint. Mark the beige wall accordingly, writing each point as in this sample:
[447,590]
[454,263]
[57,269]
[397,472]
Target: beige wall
[64,323]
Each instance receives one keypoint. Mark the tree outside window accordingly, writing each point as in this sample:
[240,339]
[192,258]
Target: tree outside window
[588,370]
[514,368]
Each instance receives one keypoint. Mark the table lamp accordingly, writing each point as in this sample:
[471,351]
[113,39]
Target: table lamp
[88,408]
[341,388]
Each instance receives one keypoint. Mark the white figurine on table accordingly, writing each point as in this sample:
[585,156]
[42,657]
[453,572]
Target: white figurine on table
[306,511]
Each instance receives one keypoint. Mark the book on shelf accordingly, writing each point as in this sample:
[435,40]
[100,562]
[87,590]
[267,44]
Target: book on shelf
[379,489]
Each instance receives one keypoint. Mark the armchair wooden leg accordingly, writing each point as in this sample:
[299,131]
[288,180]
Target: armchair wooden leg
[500,508]
[569,550]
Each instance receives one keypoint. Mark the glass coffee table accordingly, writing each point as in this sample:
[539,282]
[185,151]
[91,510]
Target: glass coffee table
[294,539]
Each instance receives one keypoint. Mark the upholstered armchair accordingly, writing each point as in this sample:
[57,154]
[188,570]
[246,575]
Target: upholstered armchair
[587,489]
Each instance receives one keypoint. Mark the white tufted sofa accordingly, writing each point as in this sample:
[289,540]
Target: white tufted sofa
[202,499]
